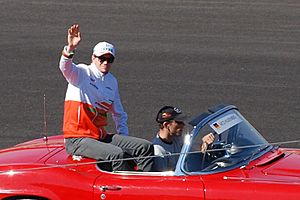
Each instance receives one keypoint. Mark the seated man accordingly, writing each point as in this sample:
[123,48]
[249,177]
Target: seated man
[169,140]
[91,95]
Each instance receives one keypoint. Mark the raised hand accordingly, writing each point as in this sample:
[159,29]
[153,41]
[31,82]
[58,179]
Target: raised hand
[207,140]
[74,37]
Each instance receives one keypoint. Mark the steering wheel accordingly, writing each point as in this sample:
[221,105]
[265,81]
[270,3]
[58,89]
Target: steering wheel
[217,156]
[216,150]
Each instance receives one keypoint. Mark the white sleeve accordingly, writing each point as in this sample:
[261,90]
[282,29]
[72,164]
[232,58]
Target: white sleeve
[70,70]
[159,150]
[119,115]
[160,162]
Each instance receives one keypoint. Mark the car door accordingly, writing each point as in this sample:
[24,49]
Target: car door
[147,185]
[233,187]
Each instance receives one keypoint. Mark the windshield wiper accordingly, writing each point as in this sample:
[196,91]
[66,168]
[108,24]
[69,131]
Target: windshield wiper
[249,158]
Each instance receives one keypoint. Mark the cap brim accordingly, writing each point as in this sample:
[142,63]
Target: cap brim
[180,117]
[103,53]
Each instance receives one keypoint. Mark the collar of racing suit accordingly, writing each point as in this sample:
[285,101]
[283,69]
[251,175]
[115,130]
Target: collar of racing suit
[97,73]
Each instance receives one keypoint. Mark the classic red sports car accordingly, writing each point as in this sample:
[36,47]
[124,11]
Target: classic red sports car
[240,164]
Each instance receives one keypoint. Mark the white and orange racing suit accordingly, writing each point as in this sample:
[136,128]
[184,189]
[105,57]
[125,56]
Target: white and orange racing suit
[90,96]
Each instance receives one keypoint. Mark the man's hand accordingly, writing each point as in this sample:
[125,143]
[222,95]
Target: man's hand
[207,140]
[73,37]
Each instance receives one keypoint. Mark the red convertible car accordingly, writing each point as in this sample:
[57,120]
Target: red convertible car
[240,164]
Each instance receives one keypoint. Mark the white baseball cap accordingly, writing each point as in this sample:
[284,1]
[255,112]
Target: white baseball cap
[104,48]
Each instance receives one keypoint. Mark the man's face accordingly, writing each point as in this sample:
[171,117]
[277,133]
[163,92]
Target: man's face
[103,63]
[176,127]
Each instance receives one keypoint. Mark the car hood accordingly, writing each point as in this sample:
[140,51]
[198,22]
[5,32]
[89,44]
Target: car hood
[287,166]
[35,151]
[280,167]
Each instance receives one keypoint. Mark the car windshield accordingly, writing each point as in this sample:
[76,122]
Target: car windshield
[236,143]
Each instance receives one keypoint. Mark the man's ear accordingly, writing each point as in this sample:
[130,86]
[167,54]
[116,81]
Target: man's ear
[166,123]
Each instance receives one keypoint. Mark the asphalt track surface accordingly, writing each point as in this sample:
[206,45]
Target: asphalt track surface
[191,54]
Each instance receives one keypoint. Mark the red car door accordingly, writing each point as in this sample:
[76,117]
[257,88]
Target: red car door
[148,186]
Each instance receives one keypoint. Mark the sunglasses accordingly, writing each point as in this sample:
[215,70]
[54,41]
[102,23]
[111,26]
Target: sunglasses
[108,59]
[179,122]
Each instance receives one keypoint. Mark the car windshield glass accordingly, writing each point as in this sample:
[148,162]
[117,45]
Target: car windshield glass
[235,140]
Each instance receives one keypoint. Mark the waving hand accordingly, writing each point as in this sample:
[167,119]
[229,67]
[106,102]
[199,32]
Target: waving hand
[74,37]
